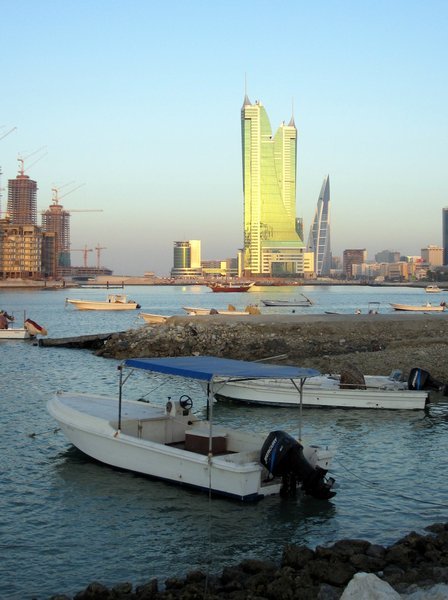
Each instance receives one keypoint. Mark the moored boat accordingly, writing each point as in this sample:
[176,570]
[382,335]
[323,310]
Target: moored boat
[295,302]
[9,331]
[432,289]
[428,307]
[170,443]
[230,311]
[378,392]
[231,286]
[113,302]
[153,319]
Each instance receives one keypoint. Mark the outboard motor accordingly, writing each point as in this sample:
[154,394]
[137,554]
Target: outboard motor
[419,379]
[283,456]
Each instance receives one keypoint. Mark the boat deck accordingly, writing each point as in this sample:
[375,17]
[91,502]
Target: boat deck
[107,407]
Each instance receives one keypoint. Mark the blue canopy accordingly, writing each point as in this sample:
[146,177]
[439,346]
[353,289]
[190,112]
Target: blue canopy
[208,367]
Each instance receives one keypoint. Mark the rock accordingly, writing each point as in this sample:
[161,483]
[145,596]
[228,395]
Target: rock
[366,586]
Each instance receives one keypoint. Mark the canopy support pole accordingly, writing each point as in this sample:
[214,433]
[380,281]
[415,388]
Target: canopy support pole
[299,388]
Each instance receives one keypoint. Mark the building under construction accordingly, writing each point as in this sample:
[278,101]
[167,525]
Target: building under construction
[57,220]
[22,206]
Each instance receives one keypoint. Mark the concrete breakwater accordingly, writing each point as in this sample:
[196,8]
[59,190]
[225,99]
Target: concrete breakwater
[376,344]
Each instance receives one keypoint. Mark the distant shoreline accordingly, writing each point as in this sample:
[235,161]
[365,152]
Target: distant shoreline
[127,280]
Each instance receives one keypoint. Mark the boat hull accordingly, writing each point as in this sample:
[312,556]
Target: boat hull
[153,319]
[220,287]
[208,311]
[418,308]
[91,305]
[329,394]
[17,333]
[148,443]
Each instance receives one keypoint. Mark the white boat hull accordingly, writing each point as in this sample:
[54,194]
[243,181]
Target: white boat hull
[153,442]
[16,333]
[92,305]
[207,311]
[153,319]
[323,392]
[418,308]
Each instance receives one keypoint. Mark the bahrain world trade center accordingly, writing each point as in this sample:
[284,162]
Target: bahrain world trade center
[272,244]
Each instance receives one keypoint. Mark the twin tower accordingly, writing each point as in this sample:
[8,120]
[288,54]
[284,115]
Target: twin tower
[273,237]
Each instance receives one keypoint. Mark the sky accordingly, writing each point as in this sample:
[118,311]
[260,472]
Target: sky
[133,109]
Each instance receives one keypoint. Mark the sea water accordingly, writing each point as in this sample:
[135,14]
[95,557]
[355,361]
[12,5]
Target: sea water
[66,521]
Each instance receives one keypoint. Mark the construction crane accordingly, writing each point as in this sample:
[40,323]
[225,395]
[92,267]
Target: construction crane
[8,132]
[22,160]
[98,254]
[84,250]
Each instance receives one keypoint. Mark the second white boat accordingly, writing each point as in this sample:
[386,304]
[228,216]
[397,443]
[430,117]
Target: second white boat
[326,391]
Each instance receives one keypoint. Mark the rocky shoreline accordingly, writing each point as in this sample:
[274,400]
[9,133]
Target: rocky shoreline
[376,344]
[414,567]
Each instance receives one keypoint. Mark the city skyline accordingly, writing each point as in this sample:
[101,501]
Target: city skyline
[145,112]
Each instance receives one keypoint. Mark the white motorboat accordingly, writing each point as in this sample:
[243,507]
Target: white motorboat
[153,319]
[432,289]
[386,392]
[295,302]
[29,330]
[113,302]
[169,442]
[428,307]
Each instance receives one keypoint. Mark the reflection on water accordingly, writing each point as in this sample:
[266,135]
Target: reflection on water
[76,521]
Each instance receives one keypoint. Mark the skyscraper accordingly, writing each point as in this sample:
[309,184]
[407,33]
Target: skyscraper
[272,245]
[319,238]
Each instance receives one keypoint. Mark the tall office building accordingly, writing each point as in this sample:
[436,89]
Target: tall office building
[445,235]
[319,237]
[272,245]
[22,204]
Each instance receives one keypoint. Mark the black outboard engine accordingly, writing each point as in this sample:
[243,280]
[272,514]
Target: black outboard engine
[419,379]
[282,455]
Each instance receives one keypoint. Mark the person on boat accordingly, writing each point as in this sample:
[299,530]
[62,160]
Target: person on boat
[5,319]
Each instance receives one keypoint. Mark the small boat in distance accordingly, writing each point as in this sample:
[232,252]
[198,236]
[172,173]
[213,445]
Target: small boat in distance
[432,289]
[230,311]
[428,307]
[169,442]
[231,286]
[29,330]
[113,302]
[153,319]
[297,302]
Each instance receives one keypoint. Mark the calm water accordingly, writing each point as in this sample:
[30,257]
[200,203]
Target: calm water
[65,521]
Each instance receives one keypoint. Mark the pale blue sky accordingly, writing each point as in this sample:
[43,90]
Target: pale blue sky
[140,102]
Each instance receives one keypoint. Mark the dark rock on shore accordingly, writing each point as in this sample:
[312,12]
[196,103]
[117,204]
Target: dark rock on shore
[417,561]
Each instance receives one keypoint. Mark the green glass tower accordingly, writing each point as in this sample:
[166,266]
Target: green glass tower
[272,245]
